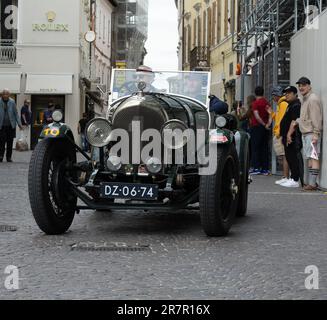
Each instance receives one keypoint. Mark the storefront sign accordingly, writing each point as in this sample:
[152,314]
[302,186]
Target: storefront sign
[57,27]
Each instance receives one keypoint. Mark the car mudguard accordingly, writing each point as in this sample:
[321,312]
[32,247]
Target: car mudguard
[242,139]
[56,131]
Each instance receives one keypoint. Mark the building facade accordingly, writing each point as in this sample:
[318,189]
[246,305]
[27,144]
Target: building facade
[207,31]
[44,56]
[130,33]
[307,58]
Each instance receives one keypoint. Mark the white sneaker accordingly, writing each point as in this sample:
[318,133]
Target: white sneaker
[291,184]
[281,181]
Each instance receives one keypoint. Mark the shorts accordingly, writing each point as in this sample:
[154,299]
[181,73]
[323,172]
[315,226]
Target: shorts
[307,147]
[278,146]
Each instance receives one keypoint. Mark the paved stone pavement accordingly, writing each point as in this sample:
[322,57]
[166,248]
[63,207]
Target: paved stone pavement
[264,257]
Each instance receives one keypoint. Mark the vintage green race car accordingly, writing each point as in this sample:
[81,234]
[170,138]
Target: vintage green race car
[157,149]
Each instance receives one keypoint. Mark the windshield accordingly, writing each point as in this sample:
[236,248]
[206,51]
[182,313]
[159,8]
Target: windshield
[192,84]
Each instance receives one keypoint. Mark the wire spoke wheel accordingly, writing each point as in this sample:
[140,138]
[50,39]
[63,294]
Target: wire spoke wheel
[53,205]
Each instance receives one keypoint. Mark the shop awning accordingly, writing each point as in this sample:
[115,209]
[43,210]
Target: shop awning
[49,84]
[10,81]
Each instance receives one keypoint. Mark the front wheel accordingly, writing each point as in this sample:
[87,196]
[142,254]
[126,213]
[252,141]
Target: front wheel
[219,193]
[53,205]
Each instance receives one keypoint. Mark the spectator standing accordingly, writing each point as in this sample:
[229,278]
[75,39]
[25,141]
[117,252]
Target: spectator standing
[8,120]
[260,129]
[26,116]
[282,105]
[310,124]
[246,113]
[81,131]
[292,143]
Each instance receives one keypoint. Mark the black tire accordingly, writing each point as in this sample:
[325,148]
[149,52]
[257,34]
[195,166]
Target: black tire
[244,188]
[53,205]
[218,200]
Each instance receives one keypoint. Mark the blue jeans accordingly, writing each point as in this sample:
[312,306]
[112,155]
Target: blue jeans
[259,147]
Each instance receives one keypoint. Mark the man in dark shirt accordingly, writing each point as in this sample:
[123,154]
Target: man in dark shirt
[25,113]
[293,146]
[260,128]
[81,130]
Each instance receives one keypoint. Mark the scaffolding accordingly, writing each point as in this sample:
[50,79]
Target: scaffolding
[130,33]
[264,37]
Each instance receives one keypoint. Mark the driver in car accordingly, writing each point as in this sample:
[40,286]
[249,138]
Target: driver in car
[143,74]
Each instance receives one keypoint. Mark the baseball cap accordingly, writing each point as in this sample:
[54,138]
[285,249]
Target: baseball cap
[304,80]
[290,89]
[277,91]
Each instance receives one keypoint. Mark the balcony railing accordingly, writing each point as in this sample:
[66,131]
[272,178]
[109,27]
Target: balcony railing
[7,51]
[200,58]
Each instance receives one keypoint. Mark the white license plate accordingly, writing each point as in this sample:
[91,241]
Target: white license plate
[129,191]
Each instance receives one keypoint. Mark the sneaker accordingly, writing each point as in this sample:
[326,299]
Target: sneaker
[255,172]
[9,160]
[1,159]
[265,172]
[291,184]
[281,181]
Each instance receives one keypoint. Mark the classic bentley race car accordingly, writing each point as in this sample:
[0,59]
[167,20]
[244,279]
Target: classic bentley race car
[158,149]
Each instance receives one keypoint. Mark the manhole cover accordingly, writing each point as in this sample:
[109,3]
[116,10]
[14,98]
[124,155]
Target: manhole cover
[90,246]
[4,228]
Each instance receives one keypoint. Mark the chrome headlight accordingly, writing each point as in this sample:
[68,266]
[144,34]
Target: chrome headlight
[57,116]
[173,134]
[114,163]
[154,165]
[98,132]
[221,122]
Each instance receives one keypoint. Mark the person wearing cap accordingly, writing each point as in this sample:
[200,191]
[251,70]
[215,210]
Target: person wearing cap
[146,74]
[260,128]
[280,99]
[292,146]
[310,124]
[143,74]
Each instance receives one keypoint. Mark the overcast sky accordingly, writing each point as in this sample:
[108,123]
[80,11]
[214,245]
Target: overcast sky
[163,35]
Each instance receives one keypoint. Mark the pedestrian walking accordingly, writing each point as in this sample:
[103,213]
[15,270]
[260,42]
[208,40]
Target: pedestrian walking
[8,120]
[292,142]
[279,98]
[81,131]
[310,124]
[259,131]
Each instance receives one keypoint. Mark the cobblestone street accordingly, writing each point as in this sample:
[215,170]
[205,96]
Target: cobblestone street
[264,256]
